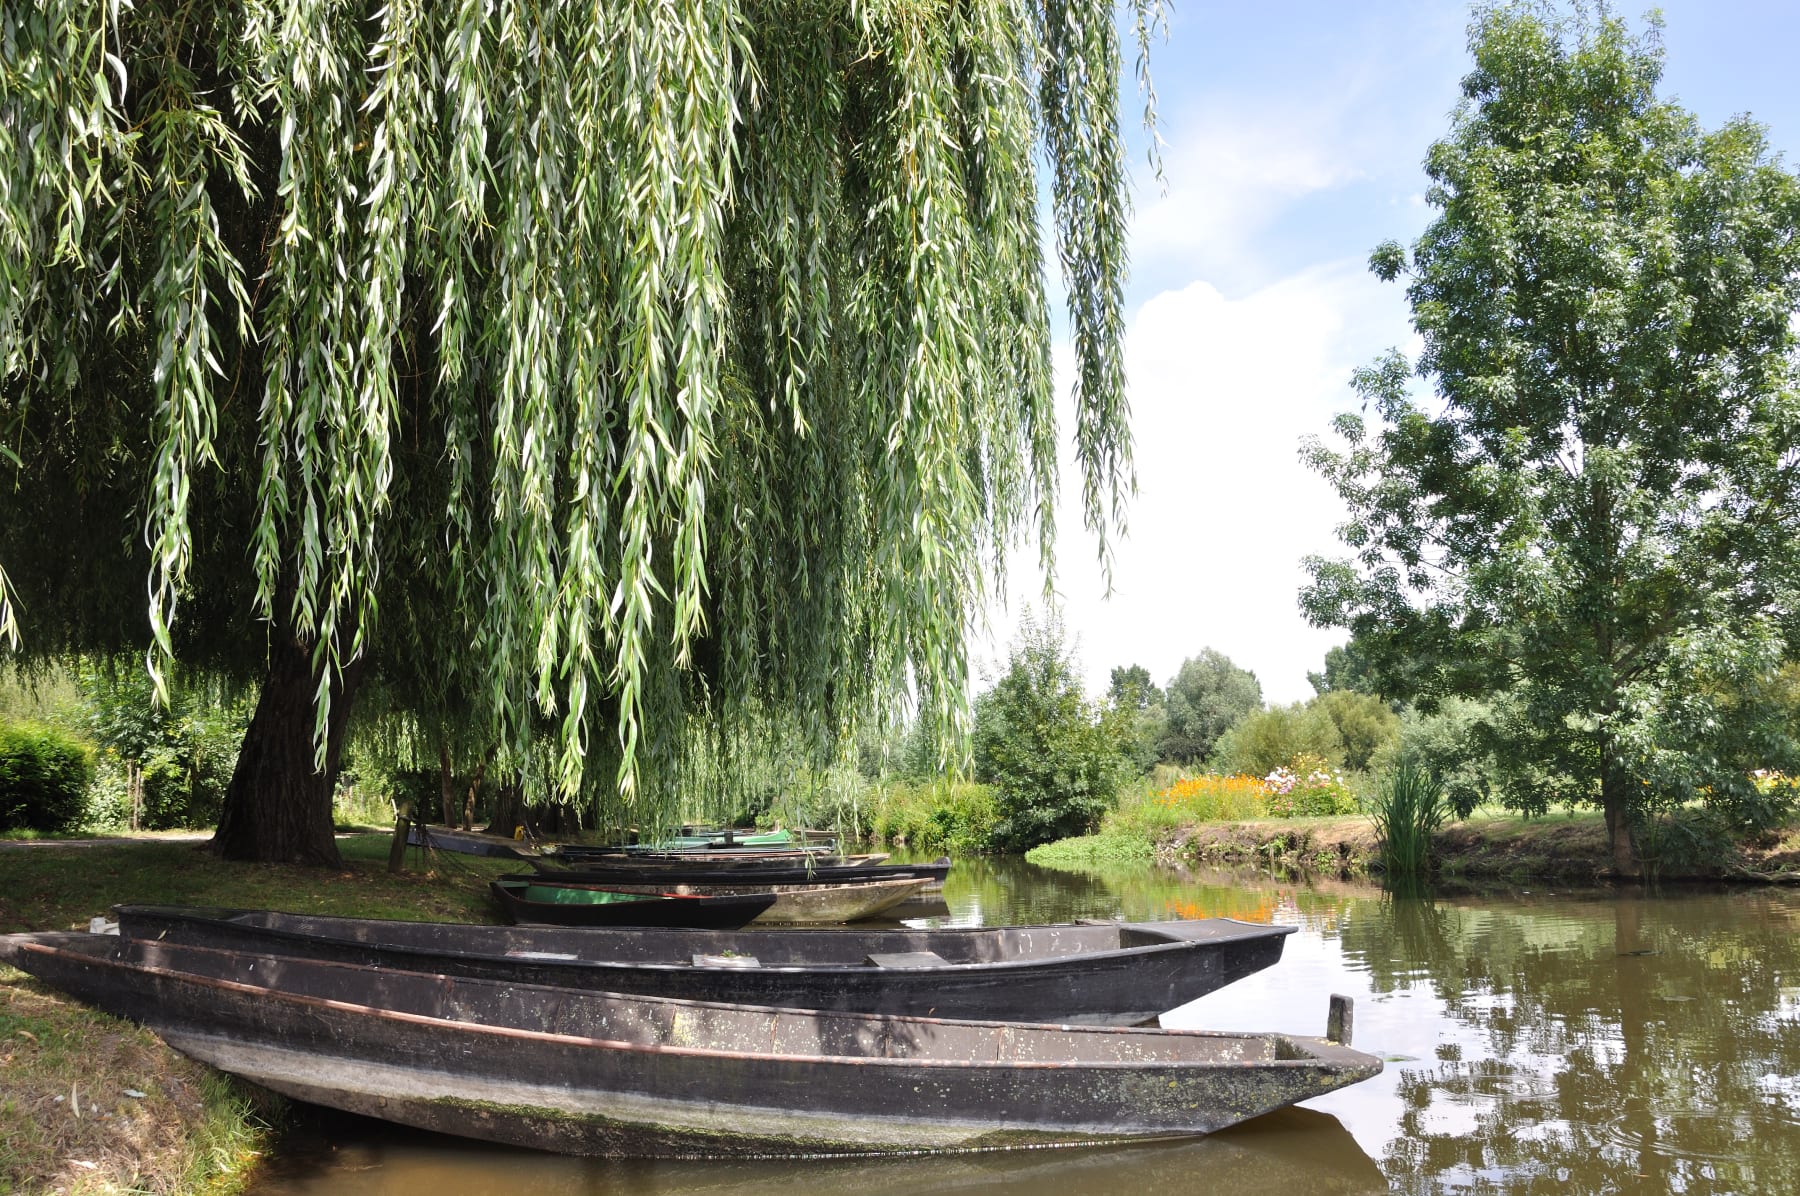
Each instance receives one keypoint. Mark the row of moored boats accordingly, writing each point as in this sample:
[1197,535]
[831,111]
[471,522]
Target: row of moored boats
[647,1039]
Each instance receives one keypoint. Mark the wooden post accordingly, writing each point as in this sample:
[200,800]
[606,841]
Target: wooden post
[1340,1023]
[402,831]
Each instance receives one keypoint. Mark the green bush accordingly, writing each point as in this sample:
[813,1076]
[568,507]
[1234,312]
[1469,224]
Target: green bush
[1055,759]
[946,817]
[1308,787]
[183,753]
[1268,739]
[44,778]
[1089,851]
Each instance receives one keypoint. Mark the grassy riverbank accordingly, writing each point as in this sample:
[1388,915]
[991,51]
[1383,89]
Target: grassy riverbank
[1564,846]
[90,1104]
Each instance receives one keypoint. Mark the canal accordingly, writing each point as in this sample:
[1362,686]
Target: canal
[1539,1039]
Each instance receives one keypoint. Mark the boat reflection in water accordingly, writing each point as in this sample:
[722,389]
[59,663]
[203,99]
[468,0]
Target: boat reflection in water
[1539,1040]
[1294,1151]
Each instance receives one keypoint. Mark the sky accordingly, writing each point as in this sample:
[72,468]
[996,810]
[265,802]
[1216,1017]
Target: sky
[1294,136]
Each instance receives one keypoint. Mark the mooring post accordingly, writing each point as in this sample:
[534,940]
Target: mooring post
[402,832]
[1340,1023]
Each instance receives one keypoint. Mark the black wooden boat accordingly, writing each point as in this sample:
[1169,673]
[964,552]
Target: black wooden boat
[790,905]
[443,838]
[704,873]
[599,1073]
[530,903]
[1117,973]
[646,857]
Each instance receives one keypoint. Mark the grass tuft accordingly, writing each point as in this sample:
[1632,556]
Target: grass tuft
[1408,807]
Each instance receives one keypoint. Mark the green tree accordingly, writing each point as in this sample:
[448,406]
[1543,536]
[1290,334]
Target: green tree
[1365,724]
[178,756]
[1055,759]
[1596,512]
[1206,697]
[1265,740]
[581,373]
[1132,689]
[1141,708]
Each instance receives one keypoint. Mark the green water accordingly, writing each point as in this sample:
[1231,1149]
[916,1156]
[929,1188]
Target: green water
[1539,1039]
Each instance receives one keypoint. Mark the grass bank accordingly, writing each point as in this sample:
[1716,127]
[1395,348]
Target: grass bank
[1564,846]
[90,1104]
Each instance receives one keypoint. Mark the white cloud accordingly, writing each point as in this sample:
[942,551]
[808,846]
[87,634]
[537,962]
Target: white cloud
[1222,390]
[1230,177]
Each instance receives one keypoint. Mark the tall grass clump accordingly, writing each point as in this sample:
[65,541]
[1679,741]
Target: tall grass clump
[1408,806]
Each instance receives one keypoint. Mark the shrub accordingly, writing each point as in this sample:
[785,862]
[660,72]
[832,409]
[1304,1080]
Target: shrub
[1268,739]
[1308,787]
[945,817]
[44,778]
[1365,724]
[1055,759]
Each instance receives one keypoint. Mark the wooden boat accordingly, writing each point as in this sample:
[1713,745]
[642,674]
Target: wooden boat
[600,1073]
[1112,972]
[679,872]
[796,904]
[761,857]
[443,838]
[529,903]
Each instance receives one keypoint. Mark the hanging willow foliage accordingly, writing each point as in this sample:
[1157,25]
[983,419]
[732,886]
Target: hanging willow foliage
[640,359]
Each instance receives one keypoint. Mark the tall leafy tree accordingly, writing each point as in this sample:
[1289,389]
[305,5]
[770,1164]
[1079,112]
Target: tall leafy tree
[1054,758]
[1138,704]
[1204,699]
[588,371]
[1594,514]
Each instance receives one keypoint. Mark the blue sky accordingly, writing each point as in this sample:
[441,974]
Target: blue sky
[1294,134]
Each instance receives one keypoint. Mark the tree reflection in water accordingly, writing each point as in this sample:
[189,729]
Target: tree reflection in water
[1557,1041]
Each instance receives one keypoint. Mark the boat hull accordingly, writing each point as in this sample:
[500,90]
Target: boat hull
[686,872]
[597,1073]
[792,904]
[1111,973]
[656,908]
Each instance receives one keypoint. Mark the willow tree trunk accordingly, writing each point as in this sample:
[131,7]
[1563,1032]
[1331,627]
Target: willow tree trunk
[278,805]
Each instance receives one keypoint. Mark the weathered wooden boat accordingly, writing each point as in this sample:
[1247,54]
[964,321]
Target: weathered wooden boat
[794,905]
[464,842]
[760,857]
[738,840]
[1118,973]
[601,1073]
[677,872]
[529,903]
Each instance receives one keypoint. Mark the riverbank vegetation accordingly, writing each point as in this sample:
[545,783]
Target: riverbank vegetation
[95,1105]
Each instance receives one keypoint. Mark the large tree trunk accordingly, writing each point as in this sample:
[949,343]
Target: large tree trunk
[278,806]
[508,807]
[1615,804]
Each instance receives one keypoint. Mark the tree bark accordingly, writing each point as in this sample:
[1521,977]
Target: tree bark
[278,805]
[1620,839]
[468,810]
[446,783]
[508,812]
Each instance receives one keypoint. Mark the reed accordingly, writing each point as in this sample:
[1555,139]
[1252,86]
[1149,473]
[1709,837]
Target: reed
[1408,806]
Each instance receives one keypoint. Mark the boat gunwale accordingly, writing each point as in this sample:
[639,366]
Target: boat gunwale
[1142,950]
[1322,1051]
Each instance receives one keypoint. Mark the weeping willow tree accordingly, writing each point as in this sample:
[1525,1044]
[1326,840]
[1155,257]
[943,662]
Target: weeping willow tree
[590,368]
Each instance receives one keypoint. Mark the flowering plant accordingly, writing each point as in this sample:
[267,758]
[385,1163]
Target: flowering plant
[1308,787]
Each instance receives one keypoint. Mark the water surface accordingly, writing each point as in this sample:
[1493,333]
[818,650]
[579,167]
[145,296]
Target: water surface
[1540,1039]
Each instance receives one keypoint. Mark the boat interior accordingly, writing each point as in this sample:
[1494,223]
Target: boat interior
[665,1023]
[770,948]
